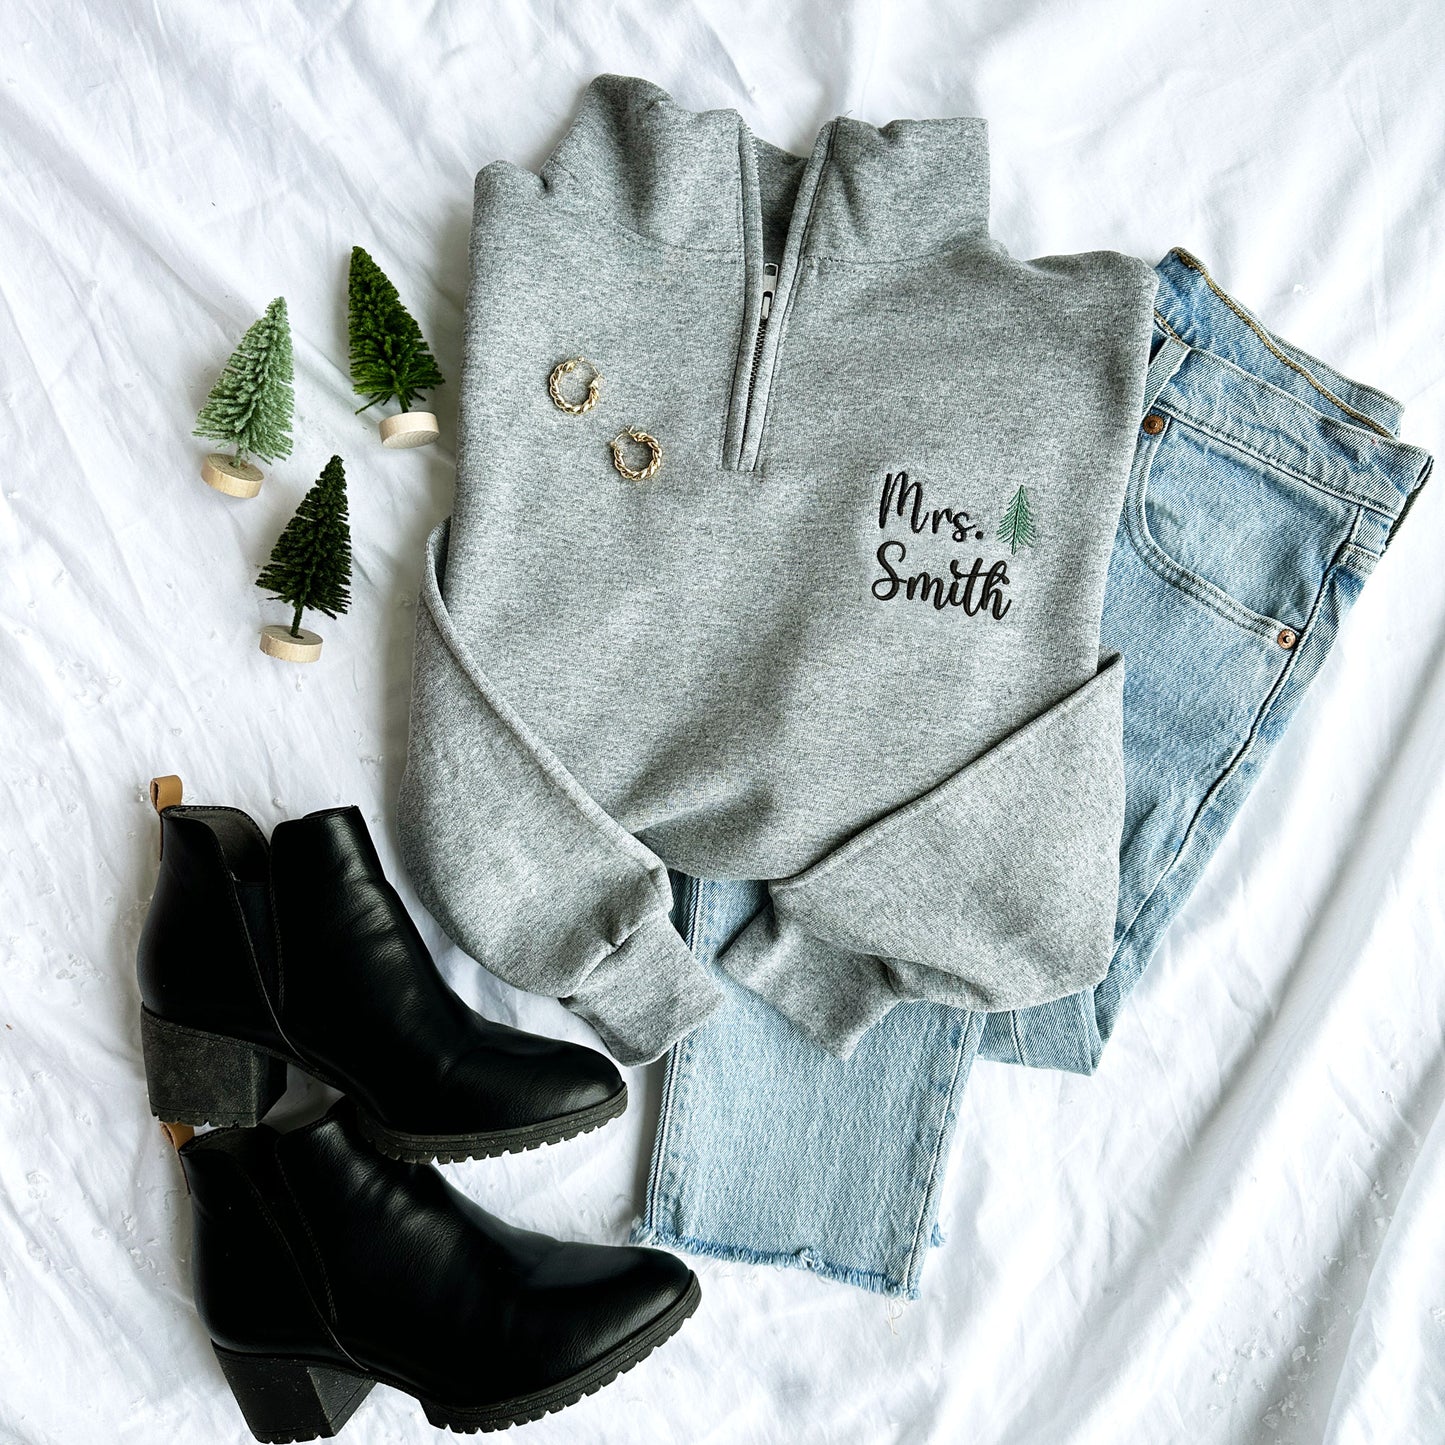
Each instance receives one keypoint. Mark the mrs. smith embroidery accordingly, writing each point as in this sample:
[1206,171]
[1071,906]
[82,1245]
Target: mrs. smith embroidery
[976,586]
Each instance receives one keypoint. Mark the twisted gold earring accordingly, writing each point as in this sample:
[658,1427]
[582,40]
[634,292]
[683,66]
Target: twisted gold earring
[644,439]
[566,368]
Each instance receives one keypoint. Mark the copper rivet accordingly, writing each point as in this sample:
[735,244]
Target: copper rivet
[1153,423]
[1287,637]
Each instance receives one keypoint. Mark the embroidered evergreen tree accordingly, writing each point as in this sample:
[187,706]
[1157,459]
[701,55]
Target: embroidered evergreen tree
[310,565]
[250,406]
[1017,527]
[389,356]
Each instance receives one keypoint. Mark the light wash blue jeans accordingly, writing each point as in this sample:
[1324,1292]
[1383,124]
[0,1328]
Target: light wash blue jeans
[1264,489]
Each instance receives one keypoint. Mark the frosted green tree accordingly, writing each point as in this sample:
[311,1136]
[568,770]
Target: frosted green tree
[1017,527]
[251,404]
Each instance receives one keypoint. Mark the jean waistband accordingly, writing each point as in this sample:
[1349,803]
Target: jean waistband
[1231,375]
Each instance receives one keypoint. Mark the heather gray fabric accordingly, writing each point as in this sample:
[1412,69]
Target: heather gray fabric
[805,651]
[1008,912]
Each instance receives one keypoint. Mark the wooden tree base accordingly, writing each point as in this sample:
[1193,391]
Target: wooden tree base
[410,429]
[277,641]
[229,475]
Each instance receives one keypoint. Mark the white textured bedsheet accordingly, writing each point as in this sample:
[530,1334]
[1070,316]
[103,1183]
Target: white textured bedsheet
[1235,1232]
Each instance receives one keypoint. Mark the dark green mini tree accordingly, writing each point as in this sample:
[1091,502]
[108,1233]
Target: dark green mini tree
[389,356]
[251,404]
[1017,527]
[310,565]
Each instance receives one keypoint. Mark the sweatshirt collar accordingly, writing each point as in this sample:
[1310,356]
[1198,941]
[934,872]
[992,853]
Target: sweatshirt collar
[680,177]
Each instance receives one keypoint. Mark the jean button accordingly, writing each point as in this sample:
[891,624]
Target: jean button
[1287,638]
[1153,423]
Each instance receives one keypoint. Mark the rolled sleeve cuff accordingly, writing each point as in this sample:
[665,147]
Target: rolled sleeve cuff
[645,995]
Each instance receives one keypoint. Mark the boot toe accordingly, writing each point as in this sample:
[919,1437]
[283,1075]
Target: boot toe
[607,1295]
[582,1078]
[496,1089]
[531,1079]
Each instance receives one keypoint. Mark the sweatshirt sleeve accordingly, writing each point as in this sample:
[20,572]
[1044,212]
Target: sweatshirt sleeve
[522,868]
[997,889]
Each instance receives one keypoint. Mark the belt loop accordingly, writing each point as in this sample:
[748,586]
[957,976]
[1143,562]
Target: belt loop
[1167,360]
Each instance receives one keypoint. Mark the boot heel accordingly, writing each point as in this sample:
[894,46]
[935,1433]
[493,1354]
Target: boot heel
[285,1399]
[199,1078]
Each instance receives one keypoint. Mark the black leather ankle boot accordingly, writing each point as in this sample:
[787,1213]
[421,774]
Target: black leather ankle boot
[321,1267]
[255,955]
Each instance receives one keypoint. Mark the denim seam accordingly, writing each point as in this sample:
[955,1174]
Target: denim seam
[1165,326]
[1215,794]
[1424,476]
[913,1266]
[1188,583]
[1234,764]
[1350,547]
[656,1192]
[1013,1022]
[1195,264]
[1360,560]
[1350,541]
[1183,414]
[657,1196]
[667,1202]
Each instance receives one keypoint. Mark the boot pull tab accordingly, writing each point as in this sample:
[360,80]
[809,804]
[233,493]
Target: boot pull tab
[165,793]
[176,1135]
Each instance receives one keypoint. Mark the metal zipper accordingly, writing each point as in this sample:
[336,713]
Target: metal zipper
[770,286]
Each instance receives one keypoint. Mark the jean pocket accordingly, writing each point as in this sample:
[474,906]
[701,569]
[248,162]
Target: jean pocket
[1233,530]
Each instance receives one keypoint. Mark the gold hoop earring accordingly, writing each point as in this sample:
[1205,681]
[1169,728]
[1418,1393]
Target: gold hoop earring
[566,368]
[642,438]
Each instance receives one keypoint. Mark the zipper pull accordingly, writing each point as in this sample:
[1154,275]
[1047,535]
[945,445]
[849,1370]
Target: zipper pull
[770,285]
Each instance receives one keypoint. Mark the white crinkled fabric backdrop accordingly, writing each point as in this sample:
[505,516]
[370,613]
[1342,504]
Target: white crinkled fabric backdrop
[1234,1232]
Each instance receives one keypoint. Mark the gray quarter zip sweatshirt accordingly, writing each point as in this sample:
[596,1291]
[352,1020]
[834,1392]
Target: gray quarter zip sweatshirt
[846,639]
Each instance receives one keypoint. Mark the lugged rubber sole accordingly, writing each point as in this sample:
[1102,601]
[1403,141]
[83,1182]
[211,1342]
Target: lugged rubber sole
[453,1148]
[194,1077]
[285,1399]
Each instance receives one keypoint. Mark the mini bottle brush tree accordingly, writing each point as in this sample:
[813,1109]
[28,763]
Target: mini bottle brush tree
[250,406]
[390,360]
[310,566]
